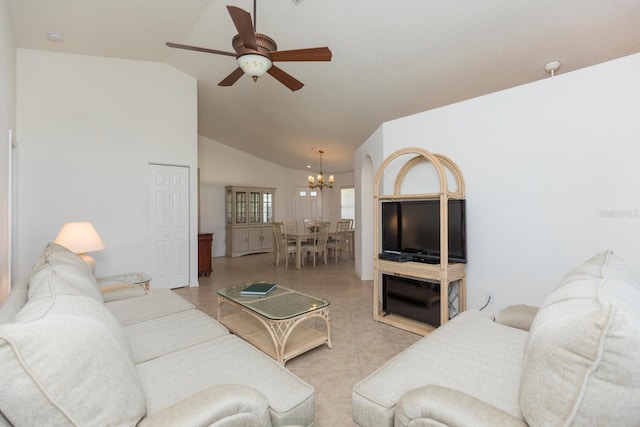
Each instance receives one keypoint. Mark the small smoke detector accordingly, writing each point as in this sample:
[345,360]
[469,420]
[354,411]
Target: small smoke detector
[552,67]
[296,1]
[55,36]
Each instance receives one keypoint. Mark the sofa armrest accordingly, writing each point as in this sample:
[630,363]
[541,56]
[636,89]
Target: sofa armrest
[517,316]
[225,405]
[436,405]
[16,299]
[122,291]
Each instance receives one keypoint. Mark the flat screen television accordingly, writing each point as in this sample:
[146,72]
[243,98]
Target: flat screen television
[413,226]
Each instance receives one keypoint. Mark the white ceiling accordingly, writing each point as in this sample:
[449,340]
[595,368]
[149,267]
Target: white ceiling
[390,58]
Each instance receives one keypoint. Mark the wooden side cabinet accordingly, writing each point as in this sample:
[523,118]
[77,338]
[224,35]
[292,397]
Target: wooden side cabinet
[204,253]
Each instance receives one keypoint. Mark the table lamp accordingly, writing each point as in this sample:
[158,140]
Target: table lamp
[80,238]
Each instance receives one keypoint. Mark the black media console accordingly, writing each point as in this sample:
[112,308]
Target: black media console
[411,298]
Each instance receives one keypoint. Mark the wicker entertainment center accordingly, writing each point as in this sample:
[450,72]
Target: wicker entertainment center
[444,275]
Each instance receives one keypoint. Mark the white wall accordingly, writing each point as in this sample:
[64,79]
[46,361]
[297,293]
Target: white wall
[544,164]
[367,159]
[88,128]
[221,165]
[7,123]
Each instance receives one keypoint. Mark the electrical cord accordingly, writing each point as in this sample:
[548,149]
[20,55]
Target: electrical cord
[453,311]
[485,306]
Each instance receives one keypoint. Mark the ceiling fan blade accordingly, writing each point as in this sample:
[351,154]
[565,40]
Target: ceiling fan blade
[242,21]
[311,54]
[285,78]
[200,49]
[232,78]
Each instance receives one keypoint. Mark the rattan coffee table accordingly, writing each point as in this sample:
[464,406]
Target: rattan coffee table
[280,324]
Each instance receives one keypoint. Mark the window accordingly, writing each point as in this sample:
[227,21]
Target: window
[348,203]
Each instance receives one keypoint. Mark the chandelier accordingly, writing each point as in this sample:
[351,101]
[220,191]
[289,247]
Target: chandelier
[320,180]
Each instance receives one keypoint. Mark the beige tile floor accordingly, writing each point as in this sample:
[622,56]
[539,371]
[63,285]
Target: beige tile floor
[360,345]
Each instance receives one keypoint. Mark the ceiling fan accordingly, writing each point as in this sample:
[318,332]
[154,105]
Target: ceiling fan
[255,53]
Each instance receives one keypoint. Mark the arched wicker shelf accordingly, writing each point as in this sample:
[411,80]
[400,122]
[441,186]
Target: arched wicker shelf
[444,273]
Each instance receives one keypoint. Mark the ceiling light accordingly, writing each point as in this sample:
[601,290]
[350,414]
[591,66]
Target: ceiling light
[320,184]
[54,36]
[254,65]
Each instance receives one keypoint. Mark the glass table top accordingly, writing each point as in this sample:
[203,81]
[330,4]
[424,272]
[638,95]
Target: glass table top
[282,303]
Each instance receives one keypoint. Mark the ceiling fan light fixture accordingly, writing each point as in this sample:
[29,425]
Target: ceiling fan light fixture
[254,65]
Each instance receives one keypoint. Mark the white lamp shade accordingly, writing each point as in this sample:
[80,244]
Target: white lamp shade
[254,65]
[79,237]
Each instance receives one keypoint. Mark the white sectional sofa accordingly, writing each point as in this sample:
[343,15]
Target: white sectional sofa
[145,358]
[574,362]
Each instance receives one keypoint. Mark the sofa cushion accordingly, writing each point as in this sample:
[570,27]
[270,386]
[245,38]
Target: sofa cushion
[157,337]
[226,360]
[156,303]
[65,361]
[470,353]
[580,365]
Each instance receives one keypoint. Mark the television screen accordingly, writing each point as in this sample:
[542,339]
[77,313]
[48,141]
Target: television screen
[413,226]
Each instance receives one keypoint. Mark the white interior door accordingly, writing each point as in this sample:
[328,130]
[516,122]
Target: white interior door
[307,204]
[169,226]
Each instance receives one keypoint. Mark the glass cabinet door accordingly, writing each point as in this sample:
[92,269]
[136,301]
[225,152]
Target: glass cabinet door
[229,207]
[245,206]
[267,207]
[241,207]
[254,207]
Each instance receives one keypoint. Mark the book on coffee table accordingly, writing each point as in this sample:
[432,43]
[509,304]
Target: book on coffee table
[258,289]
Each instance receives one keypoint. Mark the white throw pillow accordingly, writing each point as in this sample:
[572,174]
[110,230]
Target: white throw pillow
[580,363]
[61,254]
[65,361]
[72,275]
[62,280]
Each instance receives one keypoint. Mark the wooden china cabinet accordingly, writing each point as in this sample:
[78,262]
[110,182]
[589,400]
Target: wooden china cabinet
[249,214]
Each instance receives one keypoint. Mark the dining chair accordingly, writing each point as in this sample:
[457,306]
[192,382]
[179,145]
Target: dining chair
[348,223]
[283,247]
[341,240]
[289,243]
[309,224]
[278,241]
[290,227]
[319,244]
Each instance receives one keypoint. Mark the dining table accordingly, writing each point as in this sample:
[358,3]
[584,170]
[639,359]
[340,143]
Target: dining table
[303,236]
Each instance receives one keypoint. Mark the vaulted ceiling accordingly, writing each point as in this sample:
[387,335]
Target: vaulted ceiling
[390,58]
